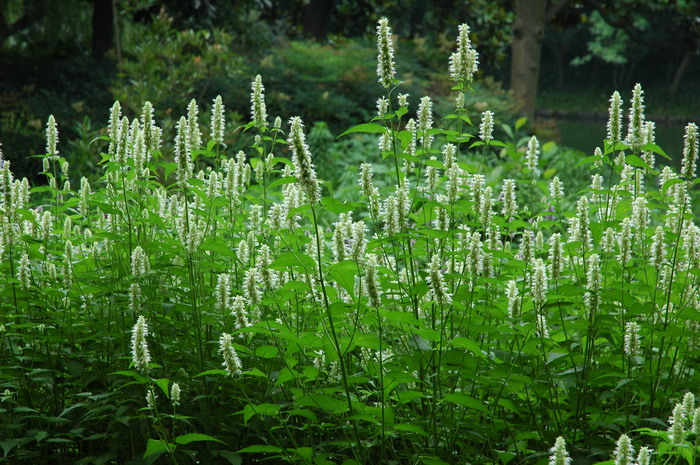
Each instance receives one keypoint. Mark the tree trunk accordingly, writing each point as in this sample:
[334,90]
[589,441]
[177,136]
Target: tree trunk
[317,16]
[528,32]
[102,28]
[680,72]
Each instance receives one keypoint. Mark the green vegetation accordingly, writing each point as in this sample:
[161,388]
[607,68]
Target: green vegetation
[462,295]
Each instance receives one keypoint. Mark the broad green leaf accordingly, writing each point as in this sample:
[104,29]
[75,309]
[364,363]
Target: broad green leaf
[283,181]
[163,385]
[670,183]
[294,260]
[156,446]
[634,160]
[466,343]
[212,372]
[400,317]
[218,246]
[8,444]
[266,351]
[344,274]
[260,449]
[411,429]
[433,461]
[250,410]
[195,437]
[554,356]
[137,376]
[465,401]
[368,128]
[323,401]
[401,112]
[656,149]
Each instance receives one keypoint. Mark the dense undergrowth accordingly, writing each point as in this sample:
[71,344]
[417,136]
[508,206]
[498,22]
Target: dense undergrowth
[464,306]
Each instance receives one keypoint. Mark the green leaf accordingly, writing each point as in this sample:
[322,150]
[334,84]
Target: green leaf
[344,274]
[212,372]
[282,181]
[587,160]
[465,401]
[411,429]
[400,317]
[433,461]
[634,160]
[163,385]
[250,410]
[294,260]
[466,343]
[218,246]
[266,351]
[554,356]
[670,183]
[254,372]
[656,149]
[137,376]
[8,444]
[367,128]
[260,449]
[155,447]
[195,437]
[520,122]
[323,401]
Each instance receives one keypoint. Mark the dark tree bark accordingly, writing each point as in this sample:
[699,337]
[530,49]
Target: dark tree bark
[680,73]
[317,16]
[102,27]
[528,32]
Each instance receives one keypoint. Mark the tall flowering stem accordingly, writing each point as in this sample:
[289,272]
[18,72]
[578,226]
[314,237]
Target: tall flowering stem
[635,130]
[139,347]
[615,118]
[258,109]
[304,168]
[386,69]
[690,152]
[465,61]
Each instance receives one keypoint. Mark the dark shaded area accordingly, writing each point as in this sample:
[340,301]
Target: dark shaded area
[73,58]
